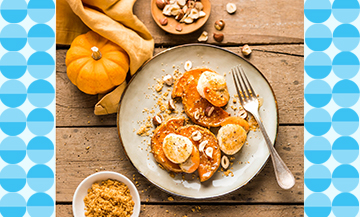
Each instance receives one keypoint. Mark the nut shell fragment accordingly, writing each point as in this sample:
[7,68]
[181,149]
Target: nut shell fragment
[168,80]
[209,111]
[182,3]
[157,120]
[242,113]
[199,6]
[230,8]
[196,136]
[209,152]
[202,145]
[171,105]
[203,37]
[225,162]
[246,50]
[194,14]
[188,20]
[188,65]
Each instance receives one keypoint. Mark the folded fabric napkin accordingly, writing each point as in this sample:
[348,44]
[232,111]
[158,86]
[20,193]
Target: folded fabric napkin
[114,20]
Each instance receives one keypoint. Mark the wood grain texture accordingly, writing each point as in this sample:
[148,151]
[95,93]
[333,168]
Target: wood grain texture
[207,210]
[255,22]
[282,65]
[82,151]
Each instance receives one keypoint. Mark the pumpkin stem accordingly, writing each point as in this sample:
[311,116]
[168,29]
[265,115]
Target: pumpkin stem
[96,55]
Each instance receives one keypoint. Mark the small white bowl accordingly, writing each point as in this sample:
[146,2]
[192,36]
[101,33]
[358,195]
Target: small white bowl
[81,191]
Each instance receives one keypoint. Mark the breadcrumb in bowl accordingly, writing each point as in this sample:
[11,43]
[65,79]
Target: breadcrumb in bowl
[114,193]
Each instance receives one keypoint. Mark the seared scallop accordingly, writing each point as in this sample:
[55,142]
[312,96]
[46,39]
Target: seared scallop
[177,148]
[212,87]
[231,138]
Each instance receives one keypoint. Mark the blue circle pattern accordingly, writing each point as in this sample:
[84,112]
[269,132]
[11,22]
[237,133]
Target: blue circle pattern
[13,94]
[345,205]
[345,178]
[12,150]
[12,178]
[318,65]
[344,121]
[13,65]
[317,121]
[40,121]
[41,37]
[345,65]
[317,178]
[13,11]
[40,149]
[346,11]
[345,150]
[318,37]
[41,11]
[317,205]
[41,93]
[40,178]
[346,37]
[318,93]
[13,37]
[40,205]
[41,65]
[12,205]
[345,93]
[317,150]
[12,122]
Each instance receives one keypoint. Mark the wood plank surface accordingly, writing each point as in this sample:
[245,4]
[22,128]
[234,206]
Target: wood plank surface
[207,210]
[82,151]
[255,22]
[282,65]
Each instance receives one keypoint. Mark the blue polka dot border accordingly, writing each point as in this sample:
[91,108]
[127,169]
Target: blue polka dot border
[27,108]
[331,104]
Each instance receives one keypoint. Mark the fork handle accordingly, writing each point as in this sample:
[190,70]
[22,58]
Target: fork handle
[284,177]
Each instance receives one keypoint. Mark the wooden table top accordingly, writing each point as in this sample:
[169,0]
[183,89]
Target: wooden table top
[274,30]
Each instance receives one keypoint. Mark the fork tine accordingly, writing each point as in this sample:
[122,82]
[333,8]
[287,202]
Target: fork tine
[240,84]
[237,86]
[244,83]
[248,83]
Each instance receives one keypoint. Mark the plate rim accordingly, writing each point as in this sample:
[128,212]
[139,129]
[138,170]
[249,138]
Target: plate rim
[189,45]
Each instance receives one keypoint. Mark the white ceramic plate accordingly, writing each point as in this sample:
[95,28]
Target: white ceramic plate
[248,162]
[81,191]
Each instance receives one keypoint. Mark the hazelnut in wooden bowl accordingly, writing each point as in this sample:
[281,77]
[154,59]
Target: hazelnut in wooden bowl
[180,16]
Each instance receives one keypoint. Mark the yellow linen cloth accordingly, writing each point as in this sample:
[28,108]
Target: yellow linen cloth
[114,20]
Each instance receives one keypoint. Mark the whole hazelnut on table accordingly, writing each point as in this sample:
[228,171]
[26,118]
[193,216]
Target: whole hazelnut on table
[219,24]
[219,37]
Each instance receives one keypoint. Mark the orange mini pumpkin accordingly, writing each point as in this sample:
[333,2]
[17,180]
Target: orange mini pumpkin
[96,65]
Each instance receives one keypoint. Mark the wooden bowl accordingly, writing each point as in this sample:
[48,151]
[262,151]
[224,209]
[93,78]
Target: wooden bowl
[172,23]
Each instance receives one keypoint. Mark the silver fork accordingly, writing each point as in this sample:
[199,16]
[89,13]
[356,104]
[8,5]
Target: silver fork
[249,101]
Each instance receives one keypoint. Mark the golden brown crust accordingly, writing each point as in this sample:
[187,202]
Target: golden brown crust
[208,166]
[167,127]
[236,120]
[193,103]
